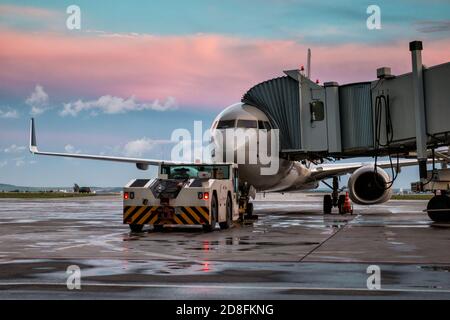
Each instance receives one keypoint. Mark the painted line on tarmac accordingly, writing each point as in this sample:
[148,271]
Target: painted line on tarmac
[193,286]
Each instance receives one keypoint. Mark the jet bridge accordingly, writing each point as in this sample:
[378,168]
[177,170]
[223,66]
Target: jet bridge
[390,115]
[393,115]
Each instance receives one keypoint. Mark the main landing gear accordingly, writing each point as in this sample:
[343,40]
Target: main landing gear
[336,200]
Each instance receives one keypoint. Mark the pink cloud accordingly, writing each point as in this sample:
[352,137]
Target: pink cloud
[27,11]
[198,70]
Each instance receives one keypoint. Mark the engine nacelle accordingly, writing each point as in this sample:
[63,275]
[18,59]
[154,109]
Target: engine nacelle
[366,187]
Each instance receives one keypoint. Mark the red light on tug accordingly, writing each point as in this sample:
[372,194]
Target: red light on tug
[126,195]
[205,195]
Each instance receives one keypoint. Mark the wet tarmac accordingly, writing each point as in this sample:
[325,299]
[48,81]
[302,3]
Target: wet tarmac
[292,251]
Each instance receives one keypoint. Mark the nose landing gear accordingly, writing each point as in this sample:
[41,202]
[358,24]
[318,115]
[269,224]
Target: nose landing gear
[335,199]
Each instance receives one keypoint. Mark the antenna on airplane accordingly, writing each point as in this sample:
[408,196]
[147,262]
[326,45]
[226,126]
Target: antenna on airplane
[308,64]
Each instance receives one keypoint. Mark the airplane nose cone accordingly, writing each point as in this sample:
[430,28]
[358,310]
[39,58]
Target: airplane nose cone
[234,145]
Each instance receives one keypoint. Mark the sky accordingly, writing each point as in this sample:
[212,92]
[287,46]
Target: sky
[137,70]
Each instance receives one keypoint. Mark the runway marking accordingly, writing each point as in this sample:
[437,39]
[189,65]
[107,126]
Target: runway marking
[196,286]
[161,256]
[89,241]
[71,247]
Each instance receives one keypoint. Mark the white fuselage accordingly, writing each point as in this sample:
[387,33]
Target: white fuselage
[241,118]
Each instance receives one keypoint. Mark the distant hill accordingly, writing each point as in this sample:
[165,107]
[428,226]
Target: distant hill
[9,187]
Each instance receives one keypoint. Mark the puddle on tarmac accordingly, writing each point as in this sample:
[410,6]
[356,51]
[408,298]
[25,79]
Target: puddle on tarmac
[265,224]
[442,225]
[436,268]
[248,243]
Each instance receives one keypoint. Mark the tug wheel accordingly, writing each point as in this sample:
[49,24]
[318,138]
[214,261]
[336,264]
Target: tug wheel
[214,210]
[249,210]
[136,227]
[227,223]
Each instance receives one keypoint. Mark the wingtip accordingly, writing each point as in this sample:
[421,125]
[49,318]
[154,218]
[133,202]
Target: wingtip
[33,146]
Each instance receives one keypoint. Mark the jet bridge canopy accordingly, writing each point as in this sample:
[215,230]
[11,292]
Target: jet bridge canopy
[279,99]
[317,121]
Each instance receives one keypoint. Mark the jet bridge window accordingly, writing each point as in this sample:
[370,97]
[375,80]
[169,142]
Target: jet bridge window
[247,124]
[225,124]
[317,110]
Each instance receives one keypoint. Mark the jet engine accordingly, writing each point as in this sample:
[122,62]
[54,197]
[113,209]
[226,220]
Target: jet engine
[369,187]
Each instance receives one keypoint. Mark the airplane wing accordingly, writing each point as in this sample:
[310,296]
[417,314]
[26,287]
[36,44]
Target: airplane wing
[328,170]
[140,163]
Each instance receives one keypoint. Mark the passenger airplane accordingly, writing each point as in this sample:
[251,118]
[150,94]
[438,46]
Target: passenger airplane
[365,186]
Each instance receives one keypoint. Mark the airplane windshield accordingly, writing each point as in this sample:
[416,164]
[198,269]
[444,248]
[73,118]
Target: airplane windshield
[247,124]
[264,125]
[243,123]
[192,171]
[225,124]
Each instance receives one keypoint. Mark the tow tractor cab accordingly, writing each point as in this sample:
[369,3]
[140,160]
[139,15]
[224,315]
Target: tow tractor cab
[184,194]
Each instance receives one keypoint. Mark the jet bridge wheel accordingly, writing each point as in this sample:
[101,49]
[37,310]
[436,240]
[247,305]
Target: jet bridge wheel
[327,204]
[441,203]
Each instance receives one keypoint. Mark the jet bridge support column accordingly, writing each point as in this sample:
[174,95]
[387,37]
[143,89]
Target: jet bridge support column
[419,107]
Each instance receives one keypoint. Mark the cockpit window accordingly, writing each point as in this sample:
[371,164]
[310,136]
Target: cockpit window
[225,124]
[247,124]
[264,125]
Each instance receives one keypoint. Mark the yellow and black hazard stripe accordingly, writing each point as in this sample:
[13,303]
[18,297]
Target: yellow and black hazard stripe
[193,215]
[151,215]
[140,214]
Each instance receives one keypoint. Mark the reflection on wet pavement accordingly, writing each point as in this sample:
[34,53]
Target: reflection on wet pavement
[291,242]
[285,231]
